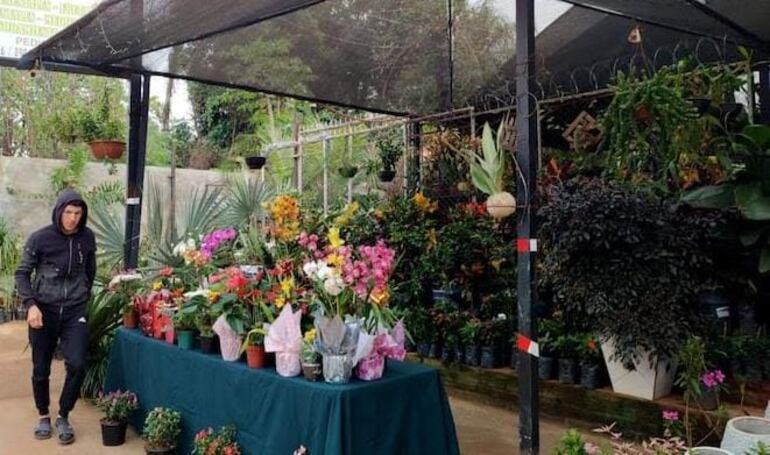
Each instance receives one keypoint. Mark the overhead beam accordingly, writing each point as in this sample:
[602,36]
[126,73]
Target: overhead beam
[526,161]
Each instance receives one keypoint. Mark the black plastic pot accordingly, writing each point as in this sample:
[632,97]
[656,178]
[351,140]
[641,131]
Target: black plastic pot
[208,344]
[472,355]
[386,176]
[459,354]
[255,162]
[450,295]
[701,104]
[435,351]
[545,368]
[447,354]
[423,349]
[515,360]
[730,111]
[490,357]
[113,433]
[590,375]
[348,171]
[568,371]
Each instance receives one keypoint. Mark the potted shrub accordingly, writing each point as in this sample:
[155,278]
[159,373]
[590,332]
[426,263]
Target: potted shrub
[117,408]
[184,327]
[491,336]
[103,133]
[161,428]
[208,442]
[567,347]
[390,147]
[590,362]
[311,365]
[633,237]
[548,330]
[469,333]
[421,328]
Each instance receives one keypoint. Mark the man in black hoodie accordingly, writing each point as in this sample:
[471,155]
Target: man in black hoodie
[54,281]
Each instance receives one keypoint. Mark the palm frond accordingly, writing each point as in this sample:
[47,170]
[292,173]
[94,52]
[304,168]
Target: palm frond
[244,198]
[109,226]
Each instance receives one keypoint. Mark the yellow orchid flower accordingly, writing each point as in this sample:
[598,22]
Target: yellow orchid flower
[287,285]
[334,238]
[157,286]
[280,301]
[310,336]
[335,260]
[380,297]
[213,296]
[424,203]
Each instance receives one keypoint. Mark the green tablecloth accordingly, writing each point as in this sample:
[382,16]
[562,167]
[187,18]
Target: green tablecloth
[406,412]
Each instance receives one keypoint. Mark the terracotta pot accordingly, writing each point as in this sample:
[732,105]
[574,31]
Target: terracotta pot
[107,149]
[129,320]
[255,356]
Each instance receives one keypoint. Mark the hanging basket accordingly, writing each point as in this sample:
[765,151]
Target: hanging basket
[501,205]
[386,176]
[255,162]
[348,171]
[112,150]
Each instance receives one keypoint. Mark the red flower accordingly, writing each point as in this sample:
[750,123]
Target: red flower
[237,282]
[166,271]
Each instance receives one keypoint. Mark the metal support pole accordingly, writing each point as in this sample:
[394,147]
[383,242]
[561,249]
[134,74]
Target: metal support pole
[526,160]
[137,148]
[764,95]
[325,152]
[413,179]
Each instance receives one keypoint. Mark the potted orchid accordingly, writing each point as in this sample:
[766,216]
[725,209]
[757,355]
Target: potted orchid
[311,368]
[125,286]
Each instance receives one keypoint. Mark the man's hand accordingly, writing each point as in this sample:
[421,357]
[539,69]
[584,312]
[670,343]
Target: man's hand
[34,317]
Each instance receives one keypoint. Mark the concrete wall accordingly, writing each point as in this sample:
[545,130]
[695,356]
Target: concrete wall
[25,201]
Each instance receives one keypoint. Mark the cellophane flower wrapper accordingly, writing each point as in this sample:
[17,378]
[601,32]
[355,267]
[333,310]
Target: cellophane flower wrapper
[284,337]
[229,341]
[335,337]
[371,356]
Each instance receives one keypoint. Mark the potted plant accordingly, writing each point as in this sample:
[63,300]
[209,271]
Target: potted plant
[117,407]
[469,333]
[491,336]
[184,327]
[548,330]
[590,362]
[420,327]
[567,346]
[204,324]
[208,442]
[254,346]
[311,365]
[255,162]
[103,133]
[161,428]
[348,172]
[390,147]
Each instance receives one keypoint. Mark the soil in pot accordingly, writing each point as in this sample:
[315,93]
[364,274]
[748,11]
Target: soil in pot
[490,357]
[472,355]
[255,356]
[545,368]
[590,375]
[568,371]
[113,433]
[185,339]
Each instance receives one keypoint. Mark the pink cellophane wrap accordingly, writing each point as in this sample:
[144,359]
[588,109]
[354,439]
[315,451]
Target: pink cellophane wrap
[284,337]
[372,355]
[229,341]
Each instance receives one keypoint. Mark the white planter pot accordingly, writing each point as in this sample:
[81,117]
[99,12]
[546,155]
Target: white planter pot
[708,451]
[743,433]
[649,382]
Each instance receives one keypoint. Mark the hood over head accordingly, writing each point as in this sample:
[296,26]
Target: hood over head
[66,198]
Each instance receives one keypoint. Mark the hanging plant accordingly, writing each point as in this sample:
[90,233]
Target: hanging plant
[487,172]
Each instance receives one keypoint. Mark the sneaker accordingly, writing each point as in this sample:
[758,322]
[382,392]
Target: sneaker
[66,433]
[43,428]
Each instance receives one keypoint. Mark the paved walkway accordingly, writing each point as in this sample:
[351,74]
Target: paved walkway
[482,430]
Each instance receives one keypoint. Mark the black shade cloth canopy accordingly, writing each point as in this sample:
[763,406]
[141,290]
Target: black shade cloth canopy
[400,56]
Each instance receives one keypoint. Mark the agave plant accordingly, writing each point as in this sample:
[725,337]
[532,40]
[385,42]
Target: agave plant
[487,172]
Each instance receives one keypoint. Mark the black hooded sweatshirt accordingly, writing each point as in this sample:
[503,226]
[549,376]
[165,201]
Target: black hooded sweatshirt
[64,265]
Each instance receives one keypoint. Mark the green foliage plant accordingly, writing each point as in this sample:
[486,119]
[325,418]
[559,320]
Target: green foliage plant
[161,428]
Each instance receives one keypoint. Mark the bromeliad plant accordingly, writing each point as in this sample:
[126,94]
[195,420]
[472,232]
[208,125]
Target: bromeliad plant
[487,171]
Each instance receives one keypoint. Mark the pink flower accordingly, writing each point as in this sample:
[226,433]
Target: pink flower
[671,416]
[712,379]
[591,448]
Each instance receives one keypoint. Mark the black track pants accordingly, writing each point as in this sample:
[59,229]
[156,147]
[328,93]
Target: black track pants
[69,325]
